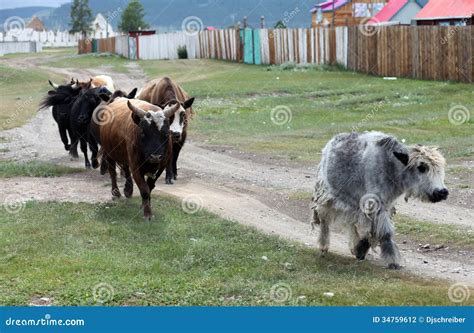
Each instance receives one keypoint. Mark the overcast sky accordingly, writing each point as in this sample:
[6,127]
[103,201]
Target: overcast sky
[26,3]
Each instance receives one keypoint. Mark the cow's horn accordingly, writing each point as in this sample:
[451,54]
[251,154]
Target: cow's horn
[54,85]
[170,110]
[139,112]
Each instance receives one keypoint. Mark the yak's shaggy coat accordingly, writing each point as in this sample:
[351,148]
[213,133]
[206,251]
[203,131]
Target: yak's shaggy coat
[359,178]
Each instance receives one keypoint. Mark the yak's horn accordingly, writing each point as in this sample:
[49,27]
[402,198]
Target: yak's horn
[170,110]
[139,112]
[54,85]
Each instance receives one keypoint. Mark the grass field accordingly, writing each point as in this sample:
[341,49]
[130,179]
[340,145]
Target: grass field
[118,64]
[64,251]
[10,169]
[21,91]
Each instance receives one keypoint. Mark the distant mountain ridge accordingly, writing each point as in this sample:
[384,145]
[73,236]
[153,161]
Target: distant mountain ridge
[169,15]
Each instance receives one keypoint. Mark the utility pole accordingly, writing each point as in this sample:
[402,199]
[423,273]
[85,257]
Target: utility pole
[333,12]
[262,22]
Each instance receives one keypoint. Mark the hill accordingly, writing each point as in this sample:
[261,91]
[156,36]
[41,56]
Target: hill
[165,15]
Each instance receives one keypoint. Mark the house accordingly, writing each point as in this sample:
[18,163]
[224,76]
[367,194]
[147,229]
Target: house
[346,12]
[446,12]
[101,28]
[397,12]
[36,24]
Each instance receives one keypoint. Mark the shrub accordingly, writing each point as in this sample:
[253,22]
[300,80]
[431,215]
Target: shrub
[182,52]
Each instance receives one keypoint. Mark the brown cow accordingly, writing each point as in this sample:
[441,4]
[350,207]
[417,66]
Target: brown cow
[138,139]
[163,92]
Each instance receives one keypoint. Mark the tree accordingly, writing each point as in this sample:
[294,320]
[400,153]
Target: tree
[81,17]
[133,17]
[280,25]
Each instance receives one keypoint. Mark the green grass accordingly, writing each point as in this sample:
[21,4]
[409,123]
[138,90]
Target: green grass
[434,234]
[92,60]
[47,52]
[21,91]
[64,250]
[235,101]
[10,169]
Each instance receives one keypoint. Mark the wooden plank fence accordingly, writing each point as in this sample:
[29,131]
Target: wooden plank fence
[421,52]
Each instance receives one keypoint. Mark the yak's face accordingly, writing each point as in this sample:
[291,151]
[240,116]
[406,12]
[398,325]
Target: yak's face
[154,131]
[85,104]
[425,174]
[178,119]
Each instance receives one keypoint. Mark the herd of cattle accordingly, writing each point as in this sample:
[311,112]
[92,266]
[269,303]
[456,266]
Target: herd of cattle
[143,136]
[359,178]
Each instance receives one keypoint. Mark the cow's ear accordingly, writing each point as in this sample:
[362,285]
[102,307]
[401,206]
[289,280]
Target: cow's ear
[104,97]
[132,94]
[135,118]
[188,103]
[402,157]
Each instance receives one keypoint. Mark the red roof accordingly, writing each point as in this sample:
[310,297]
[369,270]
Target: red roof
[388,11]
[436,9]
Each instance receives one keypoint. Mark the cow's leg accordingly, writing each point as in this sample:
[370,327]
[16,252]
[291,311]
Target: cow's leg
[390,252]
[169,173]
[176,151]
[144,192]
[74,143]
[151,181]
[84,151]
[94,147]
[128,189]
[113,177]
[64,137]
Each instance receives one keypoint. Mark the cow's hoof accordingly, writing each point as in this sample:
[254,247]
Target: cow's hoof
[67,147]
[169,181]
[393,266]
[95,164]
[323,251]
[175,177]
[116,194]
[128,193]
[88,166]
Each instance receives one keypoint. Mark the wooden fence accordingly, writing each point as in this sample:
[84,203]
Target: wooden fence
[421,52]
[425,52]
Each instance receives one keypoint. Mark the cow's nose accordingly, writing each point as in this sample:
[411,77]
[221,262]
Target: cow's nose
[176,135]
[155,158]
[441,194]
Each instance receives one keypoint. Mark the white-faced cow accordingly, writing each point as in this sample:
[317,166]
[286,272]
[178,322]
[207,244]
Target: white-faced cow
[164,92]
[359,178]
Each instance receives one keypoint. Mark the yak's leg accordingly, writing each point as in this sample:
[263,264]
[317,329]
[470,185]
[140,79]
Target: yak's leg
[176,151]
[64,137]
[84,151]
[169,173]
[323,234]
[113,178]
[94,147]
[390,252]
[152,180]
[73,148]
[128,189]
[144,192]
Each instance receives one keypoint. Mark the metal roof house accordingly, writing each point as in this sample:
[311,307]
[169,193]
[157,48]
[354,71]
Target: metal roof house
[398,12]
[446,12]
[346,12]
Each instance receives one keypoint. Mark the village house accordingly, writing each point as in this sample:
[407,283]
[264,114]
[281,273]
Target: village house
[398,12]
[346,12]
[446,12]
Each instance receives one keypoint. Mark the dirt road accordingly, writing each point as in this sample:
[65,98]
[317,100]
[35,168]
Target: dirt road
[245,190]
